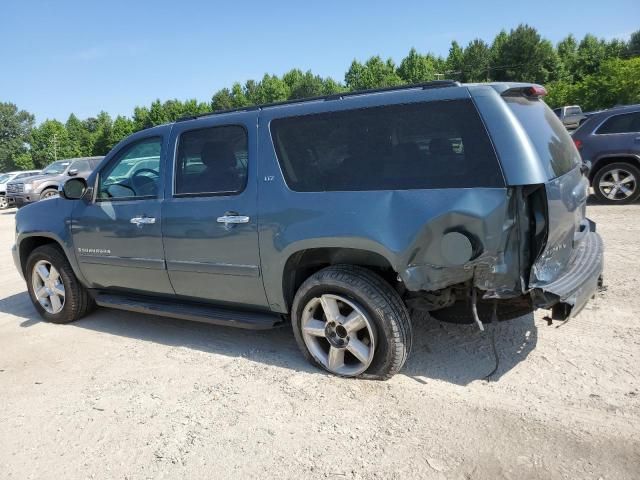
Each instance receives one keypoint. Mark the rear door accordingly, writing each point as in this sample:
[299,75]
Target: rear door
[619,134]
[210,217]
[566,187]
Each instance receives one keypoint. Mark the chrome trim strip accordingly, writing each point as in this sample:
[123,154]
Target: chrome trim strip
[213,268]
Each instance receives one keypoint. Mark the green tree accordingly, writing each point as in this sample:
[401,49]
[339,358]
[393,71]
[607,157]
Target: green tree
[524,56]
[102,134]
[568,53]
[50,141]
[416,68]
[455,60]
[476,60]
[15,129]
[271,89]
[497,48]
[79,136]
[633,47]
[23,161]
[591,53]
[122,128]
[374,73]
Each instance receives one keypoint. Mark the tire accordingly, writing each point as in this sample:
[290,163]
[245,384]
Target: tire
[76,302]
[3,202]
[363,295]
[48,193]
[607,175]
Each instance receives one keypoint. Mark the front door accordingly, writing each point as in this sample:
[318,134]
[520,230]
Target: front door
[210,212]
[117,236]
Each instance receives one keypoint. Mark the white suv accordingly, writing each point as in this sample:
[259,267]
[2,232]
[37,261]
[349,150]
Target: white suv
[6,178]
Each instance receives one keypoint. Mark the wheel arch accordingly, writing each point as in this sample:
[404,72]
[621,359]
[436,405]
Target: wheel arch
[49,186]
[29,243]
[605,160]
[301,264]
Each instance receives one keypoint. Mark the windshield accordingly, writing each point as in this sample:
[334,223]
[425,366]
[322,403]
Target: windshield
[548,135]
[56,167]
[4,178]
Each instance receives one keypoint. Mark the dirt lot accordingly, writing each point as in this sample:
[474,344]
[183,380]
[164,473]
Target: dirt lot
[121,395]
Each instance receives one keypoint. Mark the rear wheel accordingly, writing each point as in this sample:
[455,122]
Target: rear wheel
[53,287]
[350,322]
[617,183]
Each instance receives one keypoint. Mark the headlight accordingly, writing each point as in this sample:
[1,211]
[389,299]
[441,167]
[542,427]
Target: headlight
[28,187]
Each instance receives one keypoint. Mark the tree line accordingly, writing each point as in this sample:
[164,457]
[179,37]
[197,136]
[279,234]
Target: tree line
[592,72]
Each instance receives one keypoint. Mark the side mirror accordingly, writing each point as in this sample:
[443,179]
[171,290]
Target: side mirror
[73,172]
[74,189]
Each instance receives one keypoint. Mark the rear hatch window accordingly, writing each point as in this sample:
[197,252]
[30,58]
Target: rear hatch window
[440,144]
[547,133]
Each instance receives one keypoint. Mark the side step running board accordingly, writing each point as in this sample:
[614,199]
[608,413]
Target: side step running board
[189,311]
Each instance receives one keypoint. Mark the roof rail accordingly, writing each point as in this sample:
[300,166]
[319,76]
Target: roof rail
[327,98]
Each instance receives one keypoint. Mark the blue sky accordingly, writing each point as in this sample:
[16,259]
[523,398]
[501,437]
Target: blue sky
[60,57]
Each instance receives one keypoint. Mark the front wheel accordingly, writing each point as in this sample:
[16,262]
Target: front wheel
[49,193]
[3,202]
[53,287]
[617,183]
[350,322]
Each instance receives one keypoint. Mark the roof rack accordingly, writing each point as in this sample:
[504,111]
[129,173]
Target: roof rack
[327,98]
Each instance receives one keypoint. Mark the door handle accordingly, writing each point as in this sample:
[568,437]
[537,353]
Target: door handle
[140,221]
[232,219]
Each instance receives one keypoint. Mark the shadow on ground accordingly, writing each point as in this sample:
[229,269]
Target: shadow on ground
[457,354]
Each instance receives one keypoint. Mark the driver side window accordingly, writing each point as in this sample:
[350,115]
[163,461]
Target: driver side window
[134,173]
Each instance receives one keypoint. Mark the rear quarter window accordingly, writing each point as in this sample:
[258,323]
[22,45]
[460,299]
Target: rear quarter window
[423,145]
[550,138]
[624,123]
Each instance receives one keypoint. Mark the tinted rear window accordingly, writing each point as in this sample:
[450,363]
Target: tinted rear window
[548,135]
[626,123]
[397,147]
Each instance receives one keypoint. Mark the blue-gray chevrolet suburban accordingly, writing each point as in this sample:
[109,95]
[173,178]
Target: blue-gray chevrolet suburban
[339,215]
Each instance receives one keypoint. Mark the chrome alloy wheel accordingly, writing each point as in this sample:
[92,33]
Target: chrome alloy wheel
[618,184]
[338,334]
[48,287]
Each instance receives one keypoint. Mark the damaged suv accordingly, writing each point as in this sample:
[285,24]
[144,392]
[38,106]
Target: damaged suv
[338,215]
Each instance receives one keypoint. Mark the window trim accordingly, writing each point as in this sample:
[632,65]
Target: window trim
[207,194]
[115,158]
[599,126]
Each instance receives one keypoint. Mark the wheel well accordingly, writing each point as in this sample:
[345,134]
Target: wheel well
[301,265]
[29,244]
[603,162]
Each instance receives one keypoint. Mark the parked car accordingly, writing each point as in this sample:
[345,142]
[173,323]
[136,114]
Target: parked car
[337,215]
[571,116]
[45,185]
[610,142]
[9,177]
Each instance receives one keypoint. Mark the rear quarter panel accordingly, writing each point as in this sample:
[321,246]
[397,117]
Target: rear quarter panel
[403,226]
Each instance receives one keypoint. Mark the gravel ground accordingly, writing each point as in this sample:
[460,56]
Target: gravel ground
[120,395]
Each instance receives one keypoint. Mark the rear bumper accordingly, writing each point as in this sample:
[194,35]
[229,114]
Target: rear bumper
[570,292]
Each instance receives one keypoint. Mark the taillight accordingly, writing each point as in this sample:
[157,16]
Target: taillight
[578,143]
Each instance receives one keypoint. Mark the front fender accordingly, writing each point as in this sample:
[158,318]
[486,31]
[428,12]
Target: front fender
[49,220]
